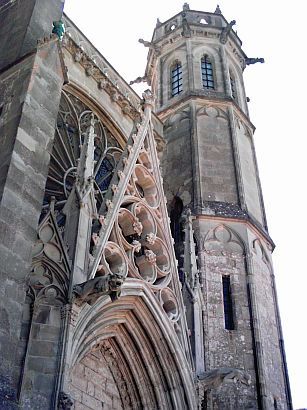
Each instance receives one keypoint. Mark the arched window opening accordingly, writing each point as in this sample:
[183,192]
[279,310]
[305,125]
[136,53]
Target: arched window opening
[228,305]
[177,232]
[175,216]
[207,73]
[233,87]
[176,79]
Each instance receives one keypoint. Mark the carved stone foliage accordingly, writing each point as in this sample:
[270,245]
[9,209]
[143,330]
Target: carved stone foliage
[73,119]
[221,241]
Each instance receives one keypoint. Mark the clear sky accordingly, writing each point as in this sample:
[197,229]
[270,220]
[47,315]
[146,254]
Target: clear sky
[277,90]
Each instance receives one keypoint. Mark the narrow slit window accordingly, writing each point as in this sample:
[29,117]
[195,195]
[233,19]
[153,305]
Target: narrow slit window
[228,308]
[176,79]
[207,73]
[233,87]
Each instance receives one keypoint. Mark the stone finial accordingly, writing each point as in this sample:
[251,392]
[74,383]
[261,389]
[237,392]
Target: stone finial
[186,7]
[148,98]
[158,23]
[217,10]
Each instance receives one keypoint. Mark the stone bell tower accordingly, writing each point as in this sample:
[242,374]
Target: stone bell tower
[195,67]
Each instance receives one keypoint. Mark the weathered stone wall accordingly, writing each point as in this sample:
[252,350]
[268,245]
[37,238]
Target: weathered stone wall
[27,124]
[23,23]
[176,158]
[221,253]
[268,326]
[216,158]
[93,385]
[251,188]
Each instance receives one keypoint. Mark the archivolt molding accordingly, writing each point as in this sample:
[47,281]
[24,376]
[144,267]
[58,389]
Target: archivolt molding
[135,325]
[222,240]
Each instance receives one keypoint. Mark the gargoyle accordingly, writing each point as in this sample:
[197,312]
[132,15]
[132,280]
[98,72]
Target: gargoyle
[91,290]
[140,80]
[225,32]
[213,379]
[151,46]
[249,60]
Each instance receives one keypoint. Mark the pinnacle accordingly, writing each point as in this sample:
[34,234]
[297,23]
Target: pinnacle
[217,10]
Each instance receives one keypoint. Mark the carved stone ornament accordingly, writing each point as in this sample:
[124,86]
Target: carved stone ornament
[217,10]
[150,45]
[250,61]
[91,290]
[65,401]
[186,32]
[213,379]
[140,80]
[225,32]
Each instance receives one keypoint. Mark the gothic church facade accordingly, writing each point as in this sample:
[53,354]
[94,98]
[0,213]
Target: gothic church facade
[121,289]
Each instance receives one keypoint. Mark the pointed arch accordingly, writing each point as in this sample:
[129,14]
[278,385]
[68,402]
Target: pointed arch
[147,351]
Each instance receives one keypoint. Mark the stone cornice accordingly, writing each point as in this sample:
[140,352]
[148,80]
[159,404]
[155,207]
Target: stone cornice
[97,67]
[204,96]
[226,212]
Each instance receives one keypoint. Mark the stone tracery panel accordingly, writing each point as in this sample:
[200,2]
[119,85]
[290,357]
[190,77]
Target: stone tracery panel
[69,137]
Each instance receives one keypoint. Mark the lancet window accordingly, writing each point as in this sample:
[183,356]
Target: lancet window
[207,73]
[176,79]
[228,305]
